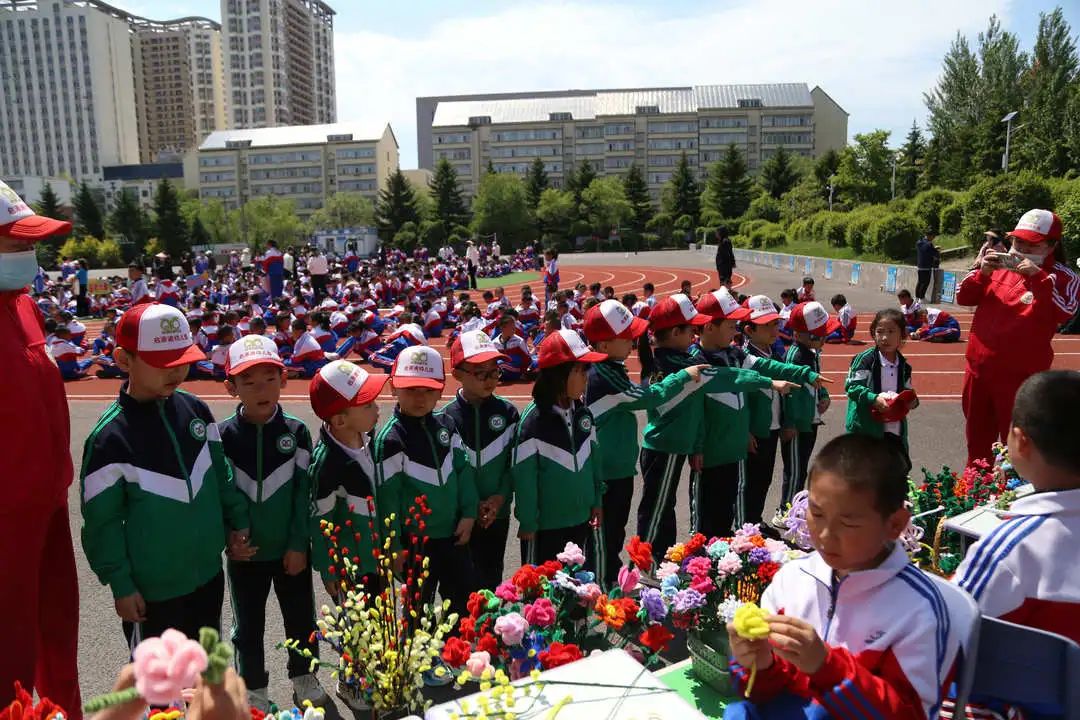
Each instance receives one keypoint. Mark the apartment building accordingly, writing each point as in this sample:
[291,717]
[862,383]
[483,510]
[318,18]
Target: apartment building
[179,84]
[302,163]
[612,129]
[279,62]
[69,100]
[30,187]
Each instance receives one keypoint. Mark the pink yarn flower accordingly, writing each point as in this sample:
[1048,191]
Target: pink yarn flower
[628,579]
[702,583]
[728,564]
[665,569]
[478,662]
[507,591]
[540,613]
[589,593]
[699,566]
[166,665]
[571,555]
[511,628]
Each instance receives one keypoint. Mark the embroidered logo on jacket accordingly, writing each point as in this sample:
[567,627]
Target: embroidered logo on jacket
[496,422]
[444,436]
[197,428]
[286,443]
[585,424]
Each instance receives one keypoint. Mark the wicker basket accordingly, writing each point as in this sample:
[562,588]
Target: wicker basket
[709,653]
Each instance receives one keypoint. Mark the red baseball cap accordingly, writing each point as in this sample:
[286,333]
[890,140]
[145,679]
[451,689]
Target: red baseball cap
[898,408]
[419,366]
[565,346]
[673,311]
[610,320]
[812,317]
[1036,226]
[721,305]
[250,351]
[19,221]
[340,385]
[761,309]
[159,334]
[474,346]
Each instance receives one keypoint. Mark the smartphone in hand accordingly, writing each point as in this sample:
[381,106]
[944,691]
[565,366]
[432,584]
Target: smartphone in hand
[1006,260]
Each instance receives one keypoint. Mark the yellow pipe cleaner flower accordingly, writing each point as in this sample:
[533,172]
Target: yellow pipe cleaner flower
[750,624]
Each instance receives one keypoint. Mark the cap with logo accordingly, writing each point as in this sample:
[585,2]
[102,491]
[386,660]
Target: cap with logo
[419,366]
[1036,226]
[897,409]
[159,334]
[474,346]
[19,221]
[565,346]
[673,311]
[812,317]
[721,305]
[340,385]
[250,351]
[611,320]
[761,309]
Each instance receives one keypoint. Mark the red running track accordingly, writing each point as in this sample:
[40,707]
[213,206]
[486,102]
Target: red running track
[937,369]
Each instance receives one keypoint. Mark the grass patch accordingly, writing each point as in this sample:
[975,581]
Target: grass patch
[813,249]
[511,279]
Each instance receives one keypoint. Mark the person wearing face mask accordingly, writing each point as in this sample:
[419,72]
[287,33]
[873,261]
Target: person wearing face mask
[39,615]
[1020,299]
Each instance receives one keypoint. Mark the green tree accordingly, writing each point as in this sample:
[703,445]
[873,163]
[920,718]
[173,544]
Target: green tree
[199,235]
[49,204]
[954,106]
[779,174]
[605,205]
[637,192]
[824,169]
[130,222]
[268,217]
[682,194]
[169,226]
[580,179]
[910,164]
[556,211]
[536,182]
[445,190]
[1052,83]
[88,220]
[729,189]
[1004,69]
[490,169]
[343,210]
[501,206]
[396,206]
[865,171]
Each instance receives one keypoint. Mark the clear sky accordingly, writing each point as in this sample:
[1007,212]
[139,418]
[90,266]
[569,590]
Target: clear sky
[875,58]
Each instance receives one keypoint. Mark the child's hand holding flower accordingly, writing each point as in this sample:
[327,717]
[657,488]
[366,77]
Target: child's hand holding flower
[796,641]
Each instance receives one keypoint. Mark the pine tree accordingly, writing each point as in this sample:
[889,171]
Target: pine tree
[910,165]
[778,173]
[169,225]
[1054,77]
[199,235]
[396,206]
[129,221]
[729,186]
[490,167]
[446,192]
[88,220]
[825,167]
[579,180]
[536,182]
[48,205]
[684,192]
[637,192]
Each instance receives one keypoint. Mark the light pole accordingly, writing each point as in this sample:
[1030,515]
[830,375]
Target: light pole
[832,188]
[894,176]
[1008,136]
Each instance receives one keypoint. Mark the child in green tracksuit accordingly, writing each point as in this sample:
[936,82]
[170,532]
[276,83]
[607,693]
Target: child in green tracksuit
[486,423]
[556,471]
[158,499]
[419,452]
[728,440]
[809,323]
[612,399]
[676,427]
[877,376]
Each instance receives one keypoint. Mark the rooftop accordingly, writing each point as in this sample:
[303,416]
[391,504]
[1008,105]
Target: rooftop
[605,103]
[297,135]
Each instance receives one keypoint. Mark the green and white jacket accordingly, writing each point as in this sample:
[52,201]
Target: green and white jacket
[863,384]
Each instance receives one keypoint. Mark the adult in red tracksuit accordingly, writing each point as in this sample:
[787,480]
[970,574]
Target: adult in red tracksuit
[39,603]
[1017,312]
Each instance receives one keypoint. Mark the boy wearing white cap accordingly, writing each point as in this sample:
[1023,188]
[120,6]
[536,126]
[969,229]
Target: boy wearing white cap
[417,453]
[154,461]
[269,452]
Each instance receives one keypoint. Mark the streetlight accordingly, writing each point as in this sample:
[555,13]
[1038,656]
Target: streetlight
[1008,136]
[832,188]
[894,156]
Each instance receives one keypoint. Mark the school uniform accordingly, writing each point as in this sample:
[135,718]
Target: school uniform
[800,408]
[520,360]
[487,435]
[849,320]
[766,415]
[67,356]
[894,636]
[270,467]
[307,355]
[871,374]
[940,327]
[363,344]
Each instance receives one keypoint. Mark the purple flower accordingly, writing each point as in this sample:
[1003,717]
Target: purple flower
[759,555]
[686,600]
[797,532]
[653,602]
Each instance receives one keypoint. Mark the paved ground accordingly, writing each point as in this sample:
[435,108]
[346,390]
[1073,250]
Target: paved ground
[936,432]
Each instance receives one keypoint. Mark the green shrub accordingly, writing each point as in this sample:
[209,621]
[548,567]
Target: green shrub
[769,235]
[858,227]
[950,219]
[818,222]
[764,207]
[1062,190]
[899,205]
[835,228]
[1000,200]
[798,230]
[740,241]
[109,254]
[895,235]
[651,241]
[746,227]
[81,248]
[926,207]
[1069,211]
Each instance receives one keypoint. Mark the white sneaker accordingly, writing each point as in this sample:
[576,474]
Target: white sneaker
[351,696]
[259,699]
[307,687]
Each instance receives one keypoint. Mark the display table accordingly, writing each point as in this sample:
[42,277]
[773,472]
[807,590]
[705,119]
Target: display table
[680,678]
[979,521]
[633,693]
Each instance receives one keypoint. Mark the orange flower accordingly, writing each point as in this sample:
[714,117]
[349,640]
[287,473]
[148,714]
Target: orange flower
[613,615]
[757,541]
[676,553]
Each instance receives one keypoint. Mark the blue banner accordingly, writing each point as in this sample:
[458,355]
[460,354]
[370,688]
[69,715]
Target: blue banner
[791,264]
[808,265]
[948,287]
[856,273]
[890,280]
[828,269]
